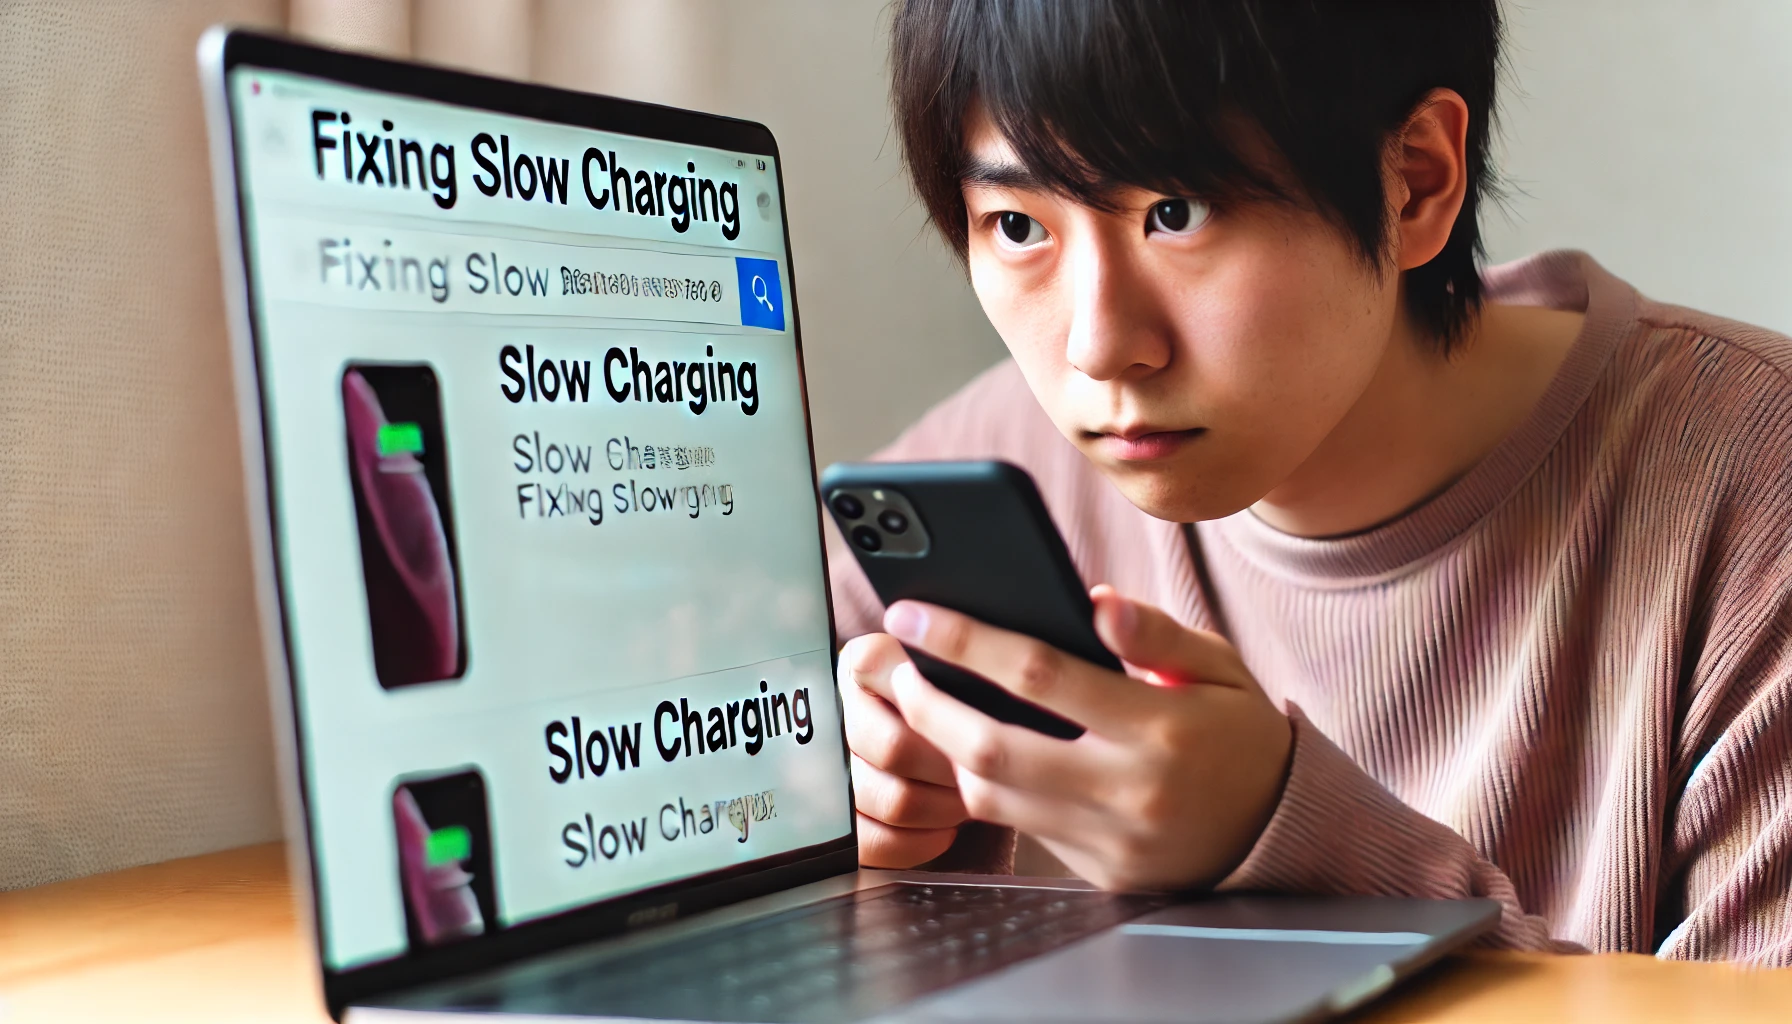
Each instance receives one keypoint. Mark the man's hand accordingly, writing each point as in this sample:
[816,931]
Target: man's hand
[908,804]
[1168,789]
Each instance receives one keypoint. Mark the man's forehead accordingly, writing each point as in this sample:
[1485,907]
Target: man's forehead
[985,142]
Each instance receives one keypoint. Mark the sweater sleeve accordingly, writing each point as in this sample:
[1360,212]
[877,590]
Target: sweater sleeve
[1729,852]
[1338,831]
[1725,877]
[1726,866]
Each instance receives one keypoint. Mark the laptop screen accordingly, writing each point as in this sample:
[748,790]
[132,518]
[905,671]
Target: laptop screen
[543,510]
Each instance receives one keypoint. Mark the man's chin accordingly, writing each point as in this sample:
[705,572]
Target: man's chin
[1171,495]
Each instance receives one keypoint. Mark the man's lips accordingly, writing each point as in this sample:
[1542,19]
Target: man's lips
[1143,444]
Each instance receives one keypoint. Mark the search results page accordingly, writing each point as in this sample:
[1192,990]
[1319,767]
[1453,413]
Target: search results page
[549,556]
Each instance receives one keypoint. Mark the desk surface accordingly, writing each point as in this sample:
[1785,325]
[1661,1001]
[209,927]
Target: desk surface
[214,938]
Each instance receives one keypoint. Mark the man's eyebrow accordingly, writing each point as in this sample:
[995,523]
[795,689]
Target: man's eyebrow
[981,173]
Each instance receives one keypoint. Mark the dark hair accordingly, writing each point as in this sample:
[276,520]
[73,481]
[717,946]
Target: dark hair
[1095,94]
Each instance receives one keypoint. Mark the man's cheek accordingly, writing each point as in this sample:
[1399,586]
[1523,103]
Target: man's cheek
[1055,384]
[1034,334]
[1014,306]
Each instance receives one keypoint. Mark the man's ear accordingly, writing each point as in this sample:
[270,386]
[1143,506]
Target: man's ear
[1427,175]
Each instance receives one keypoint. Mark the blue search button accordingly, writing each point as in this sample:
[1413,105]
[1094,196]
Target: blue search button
[761,299]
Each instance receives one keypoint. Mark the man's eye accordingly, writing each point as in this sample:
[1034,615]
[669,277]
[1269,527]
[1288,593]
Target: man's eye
[1177,216]
[1019,230]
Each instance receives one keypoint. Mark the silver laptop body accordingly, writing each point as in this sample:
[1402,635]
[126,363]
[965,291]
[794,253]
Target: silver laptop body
[542,582]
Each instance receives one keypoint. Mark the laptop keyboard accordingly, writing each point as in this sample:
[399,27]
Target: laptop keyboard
[842,959]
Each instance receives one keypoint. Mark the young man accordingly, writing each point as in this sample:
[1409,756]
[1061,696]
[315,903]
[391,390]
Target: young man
[1488,587]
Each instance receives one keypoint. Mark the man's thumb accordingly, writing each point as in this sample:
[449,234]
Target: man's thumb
[1147,638]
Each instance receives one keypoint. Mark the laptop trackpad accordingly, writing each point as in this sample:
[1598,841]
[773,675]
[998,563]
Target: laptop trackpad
[1167,967]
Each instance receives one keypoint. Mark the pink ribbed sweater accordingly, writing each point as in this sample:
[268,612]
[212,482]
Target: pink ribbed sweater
[1564,683]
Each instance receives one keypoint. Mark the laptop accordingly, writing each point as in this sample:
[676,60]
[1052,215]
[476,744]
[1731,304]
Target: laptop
[542,580]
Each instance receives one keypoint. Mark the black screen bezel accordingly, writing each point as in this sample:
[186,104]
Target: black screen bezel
[607,917]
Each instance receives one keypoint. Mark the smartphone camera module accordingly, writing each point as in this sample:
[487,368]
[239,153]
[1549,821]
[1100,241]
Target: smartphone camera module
[879,521]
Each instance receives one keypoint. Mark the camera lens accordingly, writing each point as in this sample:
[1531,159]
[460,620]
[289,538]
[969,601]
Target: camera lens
[892,520]
[848,506]
[867,538]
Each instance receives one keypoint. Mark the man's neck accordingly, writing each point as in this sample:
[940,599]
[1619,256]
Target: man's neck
[1423,422]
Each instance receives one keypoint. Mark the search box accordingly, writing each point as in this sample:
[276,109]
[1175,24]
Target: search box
[390,268]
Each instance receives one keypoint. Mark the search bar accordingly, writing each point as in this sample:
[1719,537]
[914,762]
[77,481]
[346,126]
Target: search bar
[378,267]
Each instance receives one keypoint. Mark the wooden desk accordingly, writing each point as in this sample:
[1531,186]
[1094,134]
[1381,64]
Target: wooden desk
[214,938]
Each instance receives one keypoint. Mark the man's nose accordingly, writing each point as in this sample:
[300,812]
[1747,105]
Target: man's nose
[1116,325]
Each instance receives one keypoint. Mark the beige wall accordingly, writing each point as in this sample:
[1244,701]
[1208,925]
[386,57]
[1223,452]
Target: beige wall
[1656,135]
[132,719]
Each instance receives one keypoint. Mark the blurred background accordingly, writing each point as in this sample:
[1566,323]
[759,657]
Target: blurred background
[133,723]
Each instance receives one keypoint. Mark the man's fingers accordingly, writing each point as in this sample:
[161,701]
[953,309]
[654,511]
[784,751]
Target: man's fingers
[904,803]
[877,733]
[867,661]
[1008,754]
[1031,669]
[1144,636]
[1040,816]
[885,846]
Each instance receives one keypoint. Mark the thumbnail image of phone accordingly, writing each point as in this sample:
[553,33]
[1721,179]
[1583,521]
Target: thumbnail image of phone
[974,537]
[398,467]
[443,827]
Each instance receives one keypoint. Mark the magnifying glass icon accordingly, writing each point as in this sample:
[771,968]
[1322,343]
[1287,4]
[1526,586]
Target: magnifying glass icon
[759,292]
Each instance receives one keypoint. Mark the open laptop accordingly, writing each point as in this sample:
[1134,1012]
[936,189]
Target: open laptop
[541,574]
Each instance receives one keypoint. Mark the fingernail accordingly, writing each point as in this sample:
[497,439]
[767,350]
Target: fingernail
[906,622]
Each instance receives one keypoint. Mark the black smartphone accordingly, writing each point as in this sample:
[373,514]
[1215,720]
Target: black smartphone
[974,537]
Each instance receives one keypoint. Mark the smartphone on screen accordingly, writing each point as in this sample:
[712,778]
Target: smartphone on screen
[974,537]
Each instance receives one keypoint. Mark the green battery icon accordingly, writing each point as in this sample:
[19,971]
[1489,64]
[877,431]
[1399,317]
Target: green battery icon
[401,438]
[449,845]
